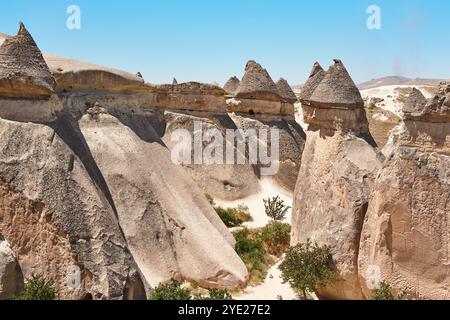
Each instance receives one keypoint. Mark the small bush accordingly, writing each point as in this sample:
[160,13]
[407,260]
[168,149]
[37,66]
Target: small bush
[384,292]
[275,208]
[250,249]
[215,294]
[234,217]
[37,288]
[172,291]
[307,267]
[276,237]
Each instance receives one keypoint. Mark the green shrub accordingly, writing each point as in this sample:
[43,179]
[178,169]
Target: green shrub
[275,208]
[250,249]
[37,288]
[307,267]
[276,237]
[234,217]
[384,292]
[172,291]
[215,294]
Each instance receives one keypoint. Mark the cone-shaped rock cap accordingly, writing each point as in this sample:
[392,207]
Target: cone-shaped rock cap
[337,89]
[257,84]
[174,82]
[315,78]
[285,91]
[415,102]
[232,85]
[437,109]
[23,70]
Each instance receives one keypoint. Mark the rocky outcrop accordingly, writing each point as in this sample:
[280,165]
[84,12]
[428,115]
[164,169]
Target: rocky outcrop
[405,234]
[171,229]
[414,103]
[57,214]
[338,167]
[285,91]
[232,85]
[258,94]
[228,181]
[23,71]
[11,278]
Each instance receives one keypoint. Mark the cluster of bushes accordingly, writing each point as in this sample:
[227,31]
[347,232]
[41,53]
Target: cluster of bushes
[385,292]
[234,217]
[175,291]
[37,288]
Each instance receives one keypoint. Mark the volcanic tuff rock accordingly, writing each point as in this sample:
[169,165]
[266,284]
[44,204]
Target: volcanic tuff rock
[171,229]
[414,103]
[11,278]
[315,78]
[339,164]
[232,85]
[257,84]
[285,91]
[405,233]
[23,71]
[224,181]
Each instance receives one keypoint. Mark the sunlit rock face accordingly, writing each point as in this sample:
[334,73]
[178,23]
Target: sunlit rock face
[405,234]
[338,167]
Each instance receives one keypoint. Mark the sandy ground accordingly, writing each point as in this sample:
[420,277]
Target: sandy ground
[270,289]
[268,189]
[390,96]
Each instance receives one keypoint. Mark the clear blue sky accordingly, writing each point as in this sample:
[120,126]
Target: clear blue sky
[210,40]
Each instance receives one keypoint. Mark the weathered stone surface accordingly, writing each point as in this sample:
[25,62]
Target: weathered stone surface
[415,102]
[57,213]
[257,84]
[11,278]
[223,181]
[171,229]
[23,71]
[315,78]
[405,234]
[285,91]
[291,144]
[338,166]
[232,85]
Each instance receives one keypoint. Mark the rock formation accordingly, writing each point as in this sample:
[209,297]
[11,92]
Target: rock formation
[405,234]
[285,91]
[232,85]
[338,166]
[127,223]
[11,279]
[23,71]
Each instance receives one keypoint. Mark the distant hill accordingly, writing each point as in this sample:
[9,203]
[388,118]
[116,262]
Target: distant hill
[397,80]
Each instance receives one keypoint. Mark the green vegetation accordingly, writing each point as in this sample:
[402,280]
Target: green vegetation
[210,199]
[234,217]
[172,291]
[384,292]
[308,267]
[249,247]
[175,291]
[275,208]
[37,288]
[276,237]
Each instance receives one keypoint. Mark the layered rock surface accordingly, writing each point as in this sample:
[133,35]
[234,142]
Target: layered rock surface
[405,235]
[338,167]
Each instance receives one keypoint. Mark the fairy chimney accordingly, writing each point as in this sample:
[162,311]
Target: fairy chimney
[23,70]
[232,85]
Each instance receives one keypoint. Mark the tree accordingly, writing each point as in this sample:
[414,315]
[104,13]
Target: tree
[275,208]
[308,267]
[384,292]
[215,294]
[172,291]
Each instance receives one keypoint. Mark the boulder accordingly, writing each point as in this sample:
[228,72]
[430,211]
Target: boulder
[338,166]
[405,235]
[23,71]
[11,278]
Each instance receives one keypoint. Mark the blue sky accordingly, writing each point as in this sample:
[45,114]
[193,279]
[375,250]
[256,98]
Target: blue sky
[210,40]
